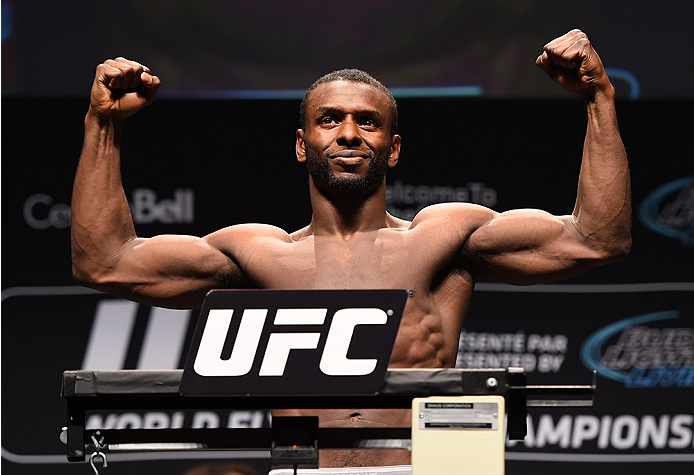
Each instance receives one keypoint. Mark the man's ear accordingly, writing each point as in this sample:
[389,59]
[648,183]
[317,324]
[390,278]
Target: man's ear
[300,146]
[394,151]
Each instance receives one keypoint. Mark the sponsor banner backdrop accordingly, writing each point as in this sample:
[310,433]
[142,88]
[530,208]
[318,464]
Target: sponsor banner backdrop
[193,167]
[640,340]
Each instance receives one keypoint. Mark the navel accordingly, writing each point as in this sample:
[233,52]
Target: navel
[355,418]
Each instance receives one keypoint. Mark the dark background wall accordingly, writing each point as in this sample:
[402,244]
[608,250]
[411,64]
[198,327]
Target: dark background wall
[219,47]
[192,166]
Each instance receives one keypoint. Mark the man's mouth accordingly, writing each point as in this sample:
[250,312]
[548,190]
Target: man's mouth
[348,158]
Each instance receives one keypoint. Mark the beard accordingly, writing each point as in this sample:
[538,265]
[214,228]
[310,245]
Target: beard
[328,181]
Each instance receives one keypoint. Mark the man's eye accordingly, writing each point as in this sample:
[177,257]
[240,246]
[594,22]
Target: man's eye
[327,120]
[368,123]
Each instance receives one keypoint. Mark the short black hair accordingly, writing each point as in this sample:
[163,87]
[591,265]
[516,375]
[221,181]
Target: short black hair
[351,75]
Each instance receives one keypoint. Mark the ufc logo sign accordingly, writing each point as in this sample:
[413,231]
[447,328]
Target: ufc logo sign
[333,362]
[273,342]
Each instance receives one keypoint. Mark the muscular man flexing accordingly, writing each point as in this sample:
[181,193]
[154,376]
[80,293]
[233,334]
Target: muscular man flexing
[347,142]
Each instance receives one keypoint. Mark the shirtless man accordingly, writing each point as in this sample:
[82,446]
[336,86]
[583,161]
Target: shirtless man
[347,143]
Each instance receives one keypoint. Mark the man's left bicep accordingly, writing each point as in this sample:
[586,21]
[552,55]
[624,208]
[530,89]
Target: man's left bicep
[528,246]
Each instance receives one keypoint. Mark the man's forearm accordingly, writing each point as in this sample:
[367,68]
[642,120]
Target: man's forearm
[603,204]
[101,221]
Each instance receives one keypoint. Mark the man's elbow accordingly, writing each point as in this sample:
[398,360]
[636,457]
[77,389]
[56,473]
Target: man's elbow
[83,277]
[89,274]
[621,253]
[615,250]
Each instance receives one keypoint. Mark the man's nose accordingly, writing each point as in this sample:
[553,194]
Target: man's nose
[348,134]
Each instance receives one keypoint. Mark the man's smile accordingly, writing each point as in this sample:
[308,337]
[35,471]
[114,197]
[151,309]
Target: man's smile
[349,158]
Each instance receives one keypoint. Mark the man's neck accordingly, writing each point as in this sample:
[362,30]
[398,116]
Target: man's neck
[349,214]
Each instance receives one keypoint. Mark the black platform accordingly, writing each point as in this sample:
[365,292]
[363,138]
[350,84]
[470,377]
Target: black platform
[148,390]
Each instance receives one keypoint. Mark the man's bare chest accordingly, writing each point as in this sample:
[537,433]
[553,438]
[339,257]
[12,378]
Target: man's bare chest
[439,288]
[367,261]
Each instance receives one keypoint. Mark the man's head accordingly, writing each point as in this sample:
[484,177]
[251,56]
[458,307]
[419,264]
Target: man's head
[351,75]
[347,134]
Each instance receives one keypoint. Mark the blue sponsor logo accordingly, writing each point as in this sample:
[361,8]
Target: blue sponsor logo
[643,357]
[669,210]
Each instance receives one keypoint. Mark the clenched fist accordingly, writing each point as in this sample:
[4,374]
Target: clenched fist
[571,61]
[121,88]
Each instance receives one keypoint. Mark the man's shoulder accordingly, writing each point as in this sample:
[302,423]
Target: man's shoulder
[459,212]
[248,231]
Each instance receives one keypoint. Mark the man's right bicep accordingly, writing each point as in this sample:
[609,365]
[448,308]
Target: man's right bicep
[169,271]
